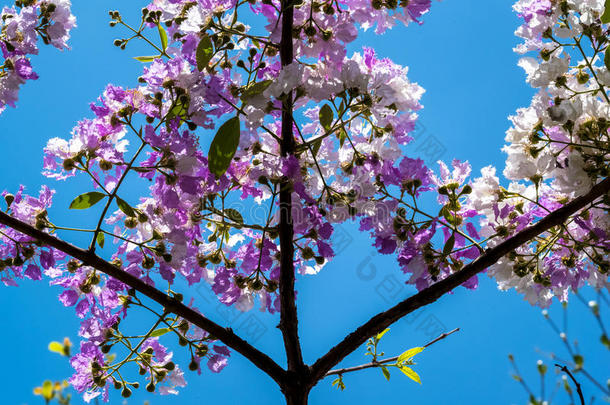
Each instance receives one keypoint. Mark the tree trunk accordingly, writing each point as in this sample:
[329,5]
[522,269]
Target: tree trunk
[297,398]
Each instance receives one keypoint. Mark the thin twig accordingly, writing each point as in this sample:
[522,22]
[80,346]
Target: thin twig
[578,389]
[384,361]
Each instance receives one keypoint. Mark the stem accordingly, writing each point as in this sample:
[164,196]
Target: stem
[170,304]
[98,228]
[429,295]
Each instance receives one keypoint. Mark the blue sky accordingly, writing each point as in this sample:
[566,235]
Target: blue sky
[463,57]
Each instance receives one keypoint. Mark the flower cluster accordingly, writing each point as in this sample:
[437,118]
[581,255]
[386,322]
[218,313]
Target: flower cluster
[557,150]
[21,27]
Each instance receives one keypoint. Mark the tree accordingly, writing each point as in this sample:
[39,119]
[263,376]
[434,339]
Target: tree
[315,138]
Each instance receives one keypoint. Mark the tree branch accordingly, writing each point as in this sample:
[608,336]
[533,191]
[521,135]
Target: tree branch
[171,305]
[340,371]
[288,313]
[578,389]
[427,296]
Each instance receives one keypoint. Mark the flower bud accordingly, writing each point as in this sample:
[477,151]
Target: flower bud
[9,198]
[255,284]
[148,263]
[105,165]
[126,393]
[202,350]
[68,164]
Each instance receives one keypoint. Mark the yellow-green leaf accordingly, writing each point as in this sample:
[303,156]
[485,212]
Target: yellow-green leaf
[159,332]
[409,354]
[162,36]
[146,58]
[339,383]
[380,334]
[204,53]
[386,373]
[56,347]
[86,200]
[47,390]
[408,371]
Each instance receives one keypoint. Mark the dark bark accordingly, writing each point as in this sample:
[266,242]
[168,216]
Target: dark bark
[297,398]
[171,305]
[288,313]
[427,296]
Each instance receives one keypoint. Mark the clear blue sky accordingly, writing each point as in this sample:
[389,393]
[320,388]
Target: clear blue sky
[463,57]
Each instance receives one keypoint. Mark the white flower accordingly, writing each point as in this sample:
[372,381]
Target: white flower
[290,77]
[542,74]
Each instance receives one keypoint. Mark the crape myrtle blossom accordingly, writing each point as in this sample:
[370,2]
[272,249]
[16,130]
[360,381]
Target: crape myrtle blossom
[21,26]
[210,215]
[557,150]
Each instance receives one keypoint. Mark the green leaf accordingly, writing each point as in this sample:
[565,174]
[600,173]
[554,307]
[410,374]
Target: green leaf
[47,390]
[126,208]
[605,341]
[57,347]
[146,58]
[409,354]
[326,116]
[316,147]
[163,36]
[449,245]
[386,373]
[578,360]
[606,16]
[380,334]
[233,215]
[342,136]
[86,200]
[408,371]
[607,58]
[101,238]
[159,332]
[223,147]
[204,53]
[178,110]
[254,90]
